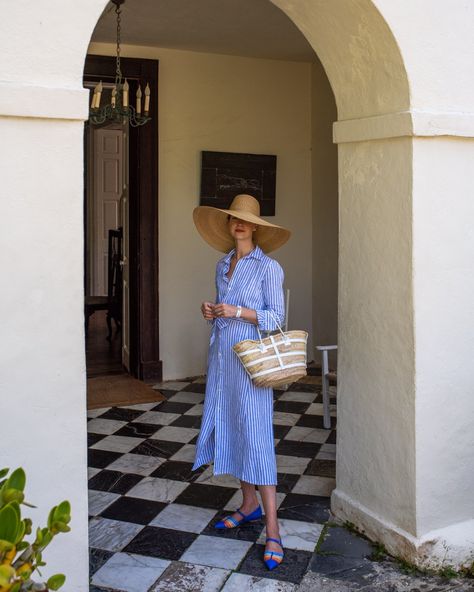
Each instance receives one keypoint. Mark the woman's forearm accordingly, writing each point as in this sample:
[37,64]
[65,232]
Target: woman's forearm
[249,314]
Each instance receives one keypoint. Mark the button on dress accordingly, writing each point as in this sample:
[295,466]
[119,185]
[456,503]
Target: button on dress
[237,430]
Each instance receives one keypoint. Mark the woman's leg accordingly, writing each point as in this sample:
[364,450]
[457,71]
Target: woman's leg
[268,493]
[250,500]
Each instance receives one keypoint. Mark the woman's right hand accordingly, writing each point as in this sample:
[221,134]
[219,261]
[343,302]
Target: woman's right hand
[207,309]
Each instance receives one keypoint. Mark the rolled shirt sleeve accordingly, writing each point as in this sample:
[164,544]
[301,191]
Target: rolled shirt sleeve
[274,307]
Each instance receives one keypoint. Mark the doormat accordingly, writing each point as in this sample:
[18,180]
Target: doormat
[119,389]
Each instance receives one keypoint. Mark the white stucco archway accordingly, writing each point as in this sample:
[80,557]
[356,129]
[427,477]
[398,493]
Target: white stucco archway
[405,133]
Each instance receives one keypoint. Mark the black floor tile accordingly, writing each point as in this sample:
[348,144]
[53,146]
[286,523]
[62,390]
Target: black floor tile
[294,448]
[340,541]
[303,387]
[250,531]
[160,542]
[321,468]
[161,448]
[205,496]
[131,509]
[188,421]
[122,414]
[97,558]
[114,481]
[286,482]
[280,431]
[314,421]
[172,407]
[177,471]
[291,406]
[93,438]
[332,437]
[306,508]
[138,430]
[195,387]
[292,569]
[167,393]
[99,459]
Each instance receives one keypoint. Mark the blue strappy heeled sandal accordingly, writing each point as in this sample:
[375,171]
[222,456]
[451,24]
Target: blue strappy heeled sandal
[230,522]
[273,559]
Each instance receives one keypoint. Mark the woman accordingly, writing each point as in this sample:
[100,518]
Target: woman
[237,430]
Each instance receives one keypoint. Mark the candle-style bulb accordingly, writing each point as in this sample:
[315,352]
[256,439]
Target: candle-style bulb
[98,94]
[125,93]
[147,99]
[114,97]
[139,100]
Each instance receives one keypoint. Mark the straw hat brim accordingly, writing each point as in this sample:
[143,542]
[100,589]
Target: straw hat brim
[211,224]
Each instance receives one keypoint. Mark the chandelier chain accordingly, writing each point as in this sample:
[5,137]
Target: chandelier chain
[118,71]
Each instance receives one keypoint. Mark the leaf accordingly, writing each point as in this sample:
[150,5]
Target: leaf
[6,574]
[55,582]
[17,479]
[9,524]
[3,473]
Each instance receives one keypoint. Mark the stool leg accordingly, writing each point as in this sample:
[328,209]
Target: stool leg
[325,381]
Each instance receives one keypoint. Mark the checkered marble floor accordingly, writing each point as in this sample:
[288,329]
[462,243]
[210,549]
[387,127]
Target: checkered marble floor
[152,519]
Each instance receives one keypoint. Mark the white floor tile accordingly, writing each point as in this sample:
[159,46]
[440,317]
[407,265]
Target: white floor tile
[184,577]
[236,501]
[317,409]
[288,419]
[307,484]
[96,412]
[104,426]
[297,396]
[175,434]
[117,443]
[142,406]
[291,464]
[99,500]
[111,535]
[185,454]
[92,471]
[303,434]
[187,397]
[216,552]
[196,410]
[158,490]
[157,417]
[171,385]
[294,534]
[242,583]
[185,518]
[129,573]
[139,464]
[208,478]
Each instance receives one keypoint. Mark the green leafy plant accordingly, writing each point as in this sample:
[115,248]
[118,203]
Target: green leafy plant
[19,559]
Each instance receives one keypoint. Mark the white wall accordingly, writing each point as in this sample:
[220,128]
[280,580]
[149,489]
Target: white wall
[224,103]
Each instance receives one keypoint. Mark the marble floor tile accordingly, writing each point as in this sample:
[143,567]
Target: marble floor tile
[159,448]
[216,552]
[303,449]
[158,418]
[122,414]
[99,500]
[141,406]
[185,454]
[286,481]
[100,425]
[311,485]
[298,535]
[291,464]
[188,421]
[96,412]
[114,481]
[208,478]
[327,452]
[315,421]
[170,385]
[280,431]
[195,410]
[302,434]
[172,406]
[318,409]
[306,508]
[99,459]
[294,407]
[138,430]
[129,573]
[185,518]
[175,434]
[184,577]
[281,418]
[177,471]
[243,583]
[97,558]
[205,496]
[117,443]
[188,397]
[111,535]
[292,569]
[298,396]
[133,509]
[139,464]
[158,490]
[321,468]
[91,472]
[236,501]
[196,387]
[161,542]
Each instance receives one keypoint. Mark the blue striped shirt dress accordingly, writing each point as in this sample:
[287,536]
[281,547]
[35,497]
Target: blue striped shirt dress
[237,431]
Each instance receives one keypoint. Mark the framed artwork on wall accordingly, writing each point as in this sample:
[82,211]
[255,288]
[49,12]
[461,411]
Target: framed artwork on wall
[226,174]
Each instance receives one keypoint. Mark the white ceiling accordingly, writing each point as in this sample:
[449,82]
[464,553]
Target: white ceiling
[253,28]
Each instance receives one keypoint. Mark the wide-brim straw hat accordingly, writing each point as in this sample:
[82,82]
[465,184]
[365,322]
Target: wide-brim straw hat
[212,225]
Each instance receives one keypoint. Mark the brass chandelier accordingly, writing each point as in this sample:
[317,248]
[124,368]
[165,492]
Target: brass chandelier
[119,110]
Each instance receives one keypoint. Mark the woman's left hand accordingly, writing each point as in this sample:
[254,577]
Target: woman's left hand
[225,310]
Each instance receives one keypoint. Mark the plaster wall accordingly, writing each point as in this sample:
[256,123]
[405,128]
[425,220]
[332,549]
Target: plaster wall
[376,390]
[42,374]
[224,103]
[325,210]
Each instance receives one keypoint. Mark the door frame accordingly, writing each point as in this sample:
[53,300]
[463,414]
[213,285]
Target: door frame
[145,360]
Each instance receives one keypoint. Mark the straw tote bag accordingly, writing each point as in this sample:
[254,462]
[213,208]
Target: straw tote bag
[274,360]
